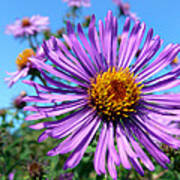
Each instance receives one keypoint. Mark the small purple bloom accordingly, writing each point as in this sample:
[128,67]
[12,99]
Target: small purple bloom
[125,9]
[11,176]
[24,65]
[78,3]
[28,26]
[114,96]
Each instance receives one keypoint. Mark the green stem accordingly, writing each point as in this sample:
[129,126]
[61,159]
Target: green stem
[36,41]
[31,43]
[42,80]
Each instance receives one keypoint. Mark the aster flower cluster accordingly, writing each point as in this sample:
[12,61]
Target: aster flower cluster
[113,98]
[28,26]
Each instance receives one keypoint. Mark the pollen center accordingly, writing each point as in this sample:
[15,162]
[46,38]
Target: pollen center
[25,22]
[114,94]
[23,58]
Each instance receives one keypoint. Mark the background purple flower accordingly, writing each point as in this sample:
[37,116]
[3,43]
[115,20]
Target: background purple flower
[78,3]
[28,26]
[11,176]
[125,9]
[114,96]
[24,65]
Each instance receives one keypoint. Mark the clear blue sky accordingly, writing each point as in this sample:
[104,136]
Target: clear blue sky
[162,15]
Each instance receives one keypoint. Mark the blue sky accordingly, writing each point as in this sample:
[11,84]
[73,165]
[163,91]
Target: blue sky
[162,15]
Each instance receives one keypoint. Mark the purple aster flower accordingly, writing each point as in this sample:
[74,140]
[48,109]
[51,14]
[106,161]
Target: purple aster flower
[11,176]
[78,3]
[125,9]
[113,97]
[28,26]
[24,65]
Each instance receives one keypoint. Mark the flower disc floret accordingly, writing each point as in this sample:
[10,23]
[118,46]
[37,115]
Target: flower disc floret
[114,94]
[25,22]
[23,58]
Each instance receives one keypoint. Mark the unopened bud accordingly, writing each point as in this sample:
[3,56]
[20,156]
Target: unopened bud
[60,32]
[18,102]
[35,170]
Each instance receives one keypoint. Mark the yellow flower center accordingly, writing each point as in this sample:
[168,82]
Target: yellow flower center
[114,94]
[25,22]
[23,58]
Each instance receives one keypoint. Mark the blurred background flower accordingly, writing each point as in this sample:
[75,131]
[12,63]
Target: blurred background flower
[124,9]
[28,26]
[78,3]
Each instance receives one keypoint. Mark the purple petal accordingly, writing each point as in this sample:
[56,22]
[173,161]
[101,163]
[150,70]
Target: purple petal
[75,139]
[112,168]
[152,148]
[137,166]
[56,72]
[144,158]
[122,152]
[45,112]
[165,58]
[124,42]
[122,136]
[59,59]
[111,148]
[161,86]
[99,157]
[78,153]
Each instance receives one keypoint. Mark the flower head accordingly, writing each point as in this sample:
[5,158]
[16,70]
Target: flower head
[78,3]
[24,65]
[35,170]
[28,26]
[125,9]
[113,97]
[11,175]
